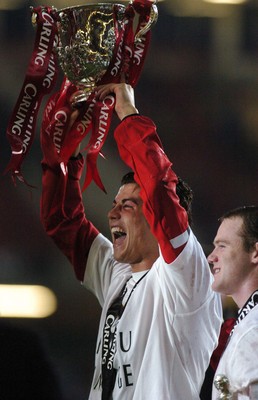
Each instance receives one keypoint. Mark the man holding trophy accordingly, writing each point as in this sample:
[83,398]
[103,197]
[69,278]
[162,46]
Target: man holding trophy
[160,319]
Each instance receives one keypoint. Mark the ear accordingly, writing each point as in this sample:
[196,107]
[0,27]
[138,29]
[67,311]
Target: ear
[255,254]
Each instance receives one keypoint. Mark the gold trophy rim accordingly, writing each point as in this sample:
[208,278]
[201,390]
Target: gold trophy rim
[96,3]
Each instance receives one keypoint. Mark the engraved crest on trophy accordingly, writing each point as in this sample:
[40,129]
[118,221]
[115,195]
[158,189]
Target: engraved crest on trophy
[89,35]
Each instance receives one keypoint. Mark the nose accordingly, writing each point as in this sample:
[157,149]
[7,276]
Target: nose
[114,213]
[212,257]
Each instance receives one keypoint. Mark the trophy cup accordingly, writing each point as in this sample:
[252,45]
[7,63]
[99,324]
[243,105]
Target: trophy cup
[89,36]
[221,383]
[97,43]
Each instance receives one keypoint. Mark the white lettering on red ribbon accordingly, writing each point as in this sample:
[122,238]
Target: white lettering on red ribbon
[44,39]
[29,129]
[30,91]
[139,51]
[108,103]
[85,122]
[61,119]
[51,71]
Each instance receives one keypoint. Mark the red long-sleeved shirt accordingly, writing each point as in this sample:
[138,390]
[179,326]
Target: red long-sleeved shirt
[62,210]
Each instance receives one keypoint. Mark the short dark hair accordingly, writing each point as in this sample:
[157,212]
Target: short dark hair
[249,215]
[183,191]
[128,178]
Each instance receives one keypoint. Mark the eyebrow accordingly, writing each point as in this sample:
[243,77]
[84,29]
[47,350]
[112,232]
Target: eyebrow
[135,201]
[217,241]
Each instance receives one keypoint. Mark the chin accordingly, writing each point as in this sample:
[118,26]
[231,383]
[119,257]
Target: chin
[214,287]
[119,258]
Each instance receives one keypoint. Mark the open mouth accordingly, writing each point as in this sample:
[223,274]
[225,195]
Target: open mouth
[118,234]
[215,271]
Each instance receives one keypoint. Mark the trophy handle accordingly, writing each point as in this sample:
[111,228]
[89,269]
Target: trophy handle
[152,21]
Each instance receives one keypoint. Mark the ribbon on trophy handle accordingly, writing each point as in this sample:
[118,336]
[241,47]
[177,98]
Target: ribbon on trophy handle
[129,66]
[40,79]
[56,123]
[62,139]
[137,43]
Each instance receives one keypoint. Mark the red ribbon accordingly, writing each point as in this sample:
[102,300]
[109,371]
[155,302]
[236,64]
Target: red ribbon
[127,63]
[100,126]
[39,80]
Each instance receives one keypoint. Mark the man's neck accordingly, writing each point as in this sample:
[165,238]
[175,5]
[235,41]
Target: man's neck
[143,265]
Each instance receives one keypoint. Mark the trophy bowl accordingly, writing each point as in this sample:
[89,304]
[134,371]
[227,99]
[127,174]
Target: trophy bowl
[87,37]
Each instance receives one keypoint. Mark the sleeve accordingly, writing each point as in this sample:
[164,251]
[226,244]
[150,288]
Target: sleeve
[62,213]
[140,148]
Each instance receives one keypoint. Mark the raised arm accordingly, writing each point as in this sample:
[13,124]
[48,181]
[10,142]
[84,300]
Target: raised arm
[141,149]
[62,210]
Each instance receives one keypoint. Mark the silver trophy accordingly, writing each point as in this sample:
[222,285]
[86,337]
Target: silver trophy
[87,38]
[221,383]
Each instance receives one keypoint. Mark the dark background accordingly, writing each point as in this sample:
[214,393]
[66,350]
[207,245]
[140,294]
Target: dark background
[200,86]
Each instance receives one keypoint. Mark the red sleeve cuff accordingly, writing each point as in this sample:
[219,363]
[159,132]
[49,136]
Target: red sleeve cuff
[74,167]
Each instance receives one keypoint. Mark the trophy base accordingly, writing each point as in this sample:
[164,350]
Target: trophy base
[81,96]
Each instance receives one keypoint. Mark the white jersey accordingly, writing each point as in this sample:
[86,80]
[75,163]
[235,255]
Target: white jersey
[239,362]
[169,327]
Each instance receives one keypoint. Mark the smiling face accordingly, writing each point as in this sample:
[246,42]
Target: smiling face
[231,263]
[133,241]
